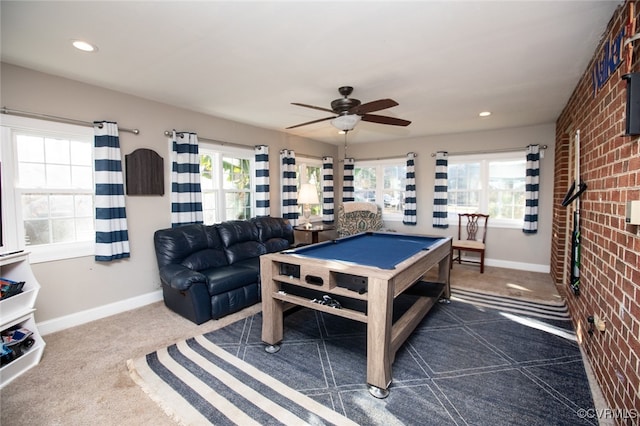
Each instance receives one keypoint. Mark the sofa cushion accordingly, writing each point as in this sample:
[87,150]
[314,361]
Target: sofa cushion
[234,300]
[173,245]
[241,240]
[251,263]
[275,233]
[194,246]
[205,259]
[227,278]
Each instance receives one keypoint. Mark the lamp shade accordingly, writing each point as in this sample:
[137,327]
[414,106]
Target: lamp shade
[308,194]
[345,122]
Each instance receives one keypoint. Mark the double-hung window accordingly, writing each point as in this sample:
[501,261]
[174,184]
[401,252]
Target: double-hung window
[48,190]
[493,184]
[309,170]
[382,182]
[226,179]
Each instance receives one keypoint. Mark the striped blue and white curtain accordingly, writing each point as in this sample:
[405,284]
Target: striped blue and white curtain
[532,185]
[112,235]
[440,196]
[410,206]
[262,180]
[186,194]
[327,190]
[347,180]
[289,187]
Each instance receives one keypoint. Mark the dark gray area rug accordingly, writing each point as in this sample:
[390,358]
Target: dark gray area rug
[465,364]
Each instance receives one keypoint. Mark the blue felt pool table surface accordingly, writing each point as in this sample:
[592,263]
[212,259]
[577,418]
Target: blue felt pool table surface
[381,250]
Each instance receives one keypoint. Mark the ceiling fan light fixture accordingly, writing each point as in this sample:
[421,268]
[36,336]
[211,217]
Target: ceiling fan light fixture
[345,122]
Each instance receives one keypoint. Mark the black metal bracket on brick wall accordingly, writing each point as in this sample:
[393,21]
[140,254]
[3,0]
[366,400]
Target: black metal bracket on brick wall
[632,126]
[571,195]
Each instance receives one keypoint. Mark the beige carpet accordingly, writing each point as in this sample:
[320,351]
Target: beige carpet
[83,378]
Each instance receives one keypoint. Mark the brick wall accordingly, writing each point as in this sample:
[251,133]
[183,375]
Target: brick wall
[610,249]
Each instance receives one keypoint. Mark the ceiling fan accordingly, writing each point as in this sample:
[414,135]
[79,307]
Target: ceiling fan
[350,111]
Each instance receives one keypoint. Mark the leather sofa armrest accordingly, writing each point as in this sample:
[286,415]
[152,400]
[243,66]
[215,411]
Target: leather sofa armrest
[180,277]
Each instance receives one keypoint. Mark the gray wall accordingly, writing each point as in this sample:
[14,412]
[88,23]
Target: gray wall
[73,286]
[505,247]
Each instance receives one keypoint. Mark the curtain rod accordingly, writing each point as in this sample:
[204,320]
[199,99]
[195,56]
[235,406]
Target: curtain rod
[313,157]
[5,110]
[433,154]
[215,141]
[397,157]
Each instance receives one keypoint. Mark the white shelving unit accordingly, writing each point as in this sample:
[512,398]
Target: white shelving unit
[19,310]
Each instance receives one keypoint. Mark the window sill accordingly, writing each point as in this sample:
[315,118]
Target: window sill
[53,252]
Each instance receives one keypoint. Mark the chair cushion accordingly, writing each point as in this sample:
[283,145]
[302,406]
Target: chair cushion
[354,206]
[359,221]
[468,245]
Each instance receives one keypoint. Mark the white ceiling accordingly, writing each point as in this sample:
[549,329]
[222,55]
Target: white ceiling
[443,62]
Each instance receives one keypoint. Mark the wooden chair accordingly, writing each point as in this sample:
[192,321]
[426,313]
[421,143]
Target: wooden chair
[475,226]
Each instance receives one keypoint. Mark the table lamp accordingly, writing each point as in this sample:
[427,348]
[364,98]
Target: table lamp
[308,195]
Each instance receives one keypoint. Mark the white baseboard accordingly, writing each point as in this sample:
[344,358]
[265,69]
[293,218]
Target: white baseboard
[79,318]
[521,266]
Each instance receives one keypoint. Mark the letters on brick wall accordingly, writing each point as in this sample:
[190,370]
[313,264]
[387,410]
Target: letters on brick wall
[608,61]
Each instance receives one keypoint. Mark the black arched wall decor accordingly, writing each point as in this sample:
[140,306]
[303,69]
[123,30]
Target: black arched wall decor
[145,172]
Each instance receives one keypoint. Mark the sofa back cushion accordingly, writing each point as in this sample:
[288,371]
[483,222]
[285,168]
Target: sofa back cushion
[275,232]
[241,240]
[195,246]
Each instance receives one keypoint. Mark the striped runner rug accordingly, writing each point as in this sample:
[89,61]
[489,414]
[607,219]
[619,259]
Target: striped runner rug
[481,359]
[196,383]
[553,310]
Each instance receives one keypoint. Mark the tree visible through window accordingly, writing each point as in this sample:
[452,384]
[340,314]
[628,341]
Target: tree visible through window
[226,182]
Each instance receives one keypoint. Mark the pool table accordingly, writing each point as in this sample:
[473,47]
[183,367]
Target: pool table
[358,277]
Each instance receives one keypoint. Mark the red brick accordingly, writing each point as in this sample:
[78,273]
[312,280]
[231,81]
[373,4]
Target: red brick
[610,164]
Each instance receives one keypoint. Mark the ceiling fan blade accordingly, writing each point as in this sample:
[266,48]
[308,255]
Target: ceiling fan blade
[373,106]
[313,107]
[381,119]
[311,122]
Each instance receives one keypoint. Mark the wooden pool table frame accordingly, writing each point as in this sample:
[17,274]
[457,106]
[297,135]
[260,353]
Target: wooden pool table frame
[384,337]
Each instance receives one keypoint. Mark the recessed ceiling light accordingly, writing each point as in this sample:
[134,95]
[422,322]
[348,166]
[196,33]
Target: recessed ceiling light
[84,46]
[485,113]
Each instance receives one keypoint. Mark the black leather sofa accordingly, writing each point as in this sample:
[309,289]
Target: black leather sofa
[208,272]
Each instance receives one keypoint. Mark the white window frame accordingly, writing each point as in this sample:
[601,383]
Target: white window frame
[379,165]
[301,166]
[221,151]
[484,160]
[13,226]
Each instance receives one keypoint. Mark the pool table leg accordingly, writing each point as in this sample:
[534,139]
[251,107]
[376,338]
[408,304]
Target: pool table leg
[272,309]
[444,274]
[379,326]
